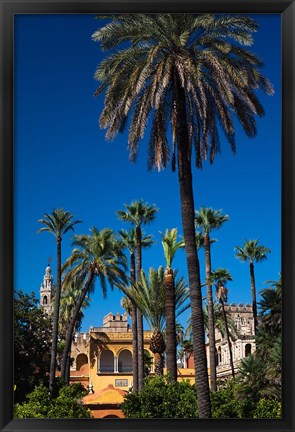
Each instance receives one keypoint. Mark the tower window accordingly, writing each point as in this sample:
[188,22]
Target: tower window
[45,300]
[247,350]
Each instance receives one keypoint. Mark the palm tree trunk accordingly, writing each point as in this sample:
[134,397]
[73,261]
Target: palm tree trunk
[159,364]
[68,370]
[134,330]
[55,316]
[211,326]
[140,342]
[170,325]
[188,223]
[228,340]
[70,331]
[253,290]
[134,347]
[140,349]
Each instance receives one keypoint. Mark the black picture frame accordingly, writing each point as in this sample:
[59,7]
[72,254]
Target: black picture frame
[10,7]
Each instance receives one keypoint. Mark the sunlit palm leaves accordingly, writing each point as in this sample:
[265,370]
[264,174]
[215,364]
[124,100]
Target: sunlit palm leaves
[207,52]
[97,256]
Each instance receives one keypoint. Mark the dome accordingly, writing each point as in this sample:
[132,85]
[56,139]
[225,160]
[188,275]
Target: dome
[48,270]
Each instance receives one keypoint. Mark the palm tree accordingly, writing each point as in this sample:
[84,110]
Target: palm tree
[221,277]
[97,255]
[58,223]
[268,337]
[186,348]
[127,305]
[68,300]
[191,73]
[259,378]
[149,295]
[208,219]
[128,240]
[170,246]
[219,321]
[270,305]
[251,379]
[138,213]
[252,252]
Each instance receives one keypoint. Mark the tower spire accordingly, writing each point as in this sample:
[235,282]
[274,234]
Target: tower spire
[46,289]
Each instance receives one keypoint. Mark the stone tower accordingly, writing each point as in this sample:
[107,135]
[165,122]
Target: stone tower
[46,290]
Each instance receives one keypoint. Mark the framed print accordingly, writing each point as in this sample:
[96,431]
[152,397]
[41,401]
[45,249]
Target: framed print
[147,215]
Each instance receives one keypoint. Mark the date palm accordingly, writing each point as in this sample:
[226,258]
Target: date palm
[128,240]
[170,247]
[138,213]
[208,219]
[221,277]
[252,252]
[68,299]
[270,317]
[270,307]
[188,74]
[149,295]
[97,256]
[58,223]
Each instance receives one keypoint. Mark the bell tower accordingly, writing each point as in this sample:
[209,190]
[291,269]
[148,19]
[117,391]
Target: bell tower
[46,290]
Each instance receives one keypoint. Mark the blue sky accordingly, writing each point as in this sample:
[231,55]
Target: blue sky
[63,160]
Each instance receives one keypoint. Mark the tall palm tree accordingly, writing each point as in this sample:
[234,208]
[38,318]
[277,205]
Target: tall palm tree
[170,246]
[68,300]
[138,213]
[253,252]
[58,223]
[190,72]
[128,240]
[149,295]
[97,256]
[221,277]
[207,220]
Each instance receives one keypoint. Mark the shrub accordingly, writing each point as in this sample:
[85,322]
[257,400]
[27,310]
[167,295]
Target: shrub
[162,399]
[66,404]
[268,408]
[224,403]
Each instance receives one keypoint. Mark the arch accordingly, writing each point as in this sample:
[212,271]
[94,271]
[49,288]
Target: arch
[219,355]
[81,360]
[216,357]
[248,348]
[45,300]
[106,361]
[125,361]
[111,416]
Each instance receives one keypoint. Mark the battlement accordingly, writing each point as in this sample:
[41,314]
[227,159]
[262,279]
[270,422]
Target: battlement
[114,323]
[81,339]
[239,308]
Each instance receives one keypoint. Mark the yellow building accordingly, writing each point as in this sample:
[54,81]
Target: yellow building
[102,362]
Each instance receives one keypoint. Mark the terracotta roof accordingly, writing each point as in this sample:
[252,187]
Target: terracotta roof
[108,395]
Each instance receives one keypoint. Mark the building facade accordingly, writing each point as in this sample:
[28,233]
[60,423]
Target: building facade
[243,342]
[102,356]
